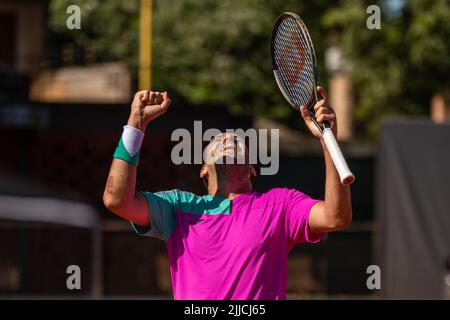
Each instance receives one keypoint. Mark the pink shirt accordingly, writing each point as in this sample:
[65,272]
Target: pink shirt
[229,249]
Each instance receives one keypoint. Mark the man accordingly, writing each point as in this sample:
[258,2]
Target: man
[232,243]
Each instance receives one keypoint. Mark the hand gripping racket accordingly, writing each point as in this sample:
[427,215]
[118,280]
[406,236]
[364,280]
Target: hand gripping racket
[295,69]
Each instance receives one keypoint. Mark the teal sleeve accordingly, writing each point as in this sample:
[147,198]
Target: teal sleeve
[162,207]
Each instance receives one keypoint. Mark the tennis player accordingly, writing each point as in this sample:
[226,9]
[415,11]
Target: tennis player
[232,243]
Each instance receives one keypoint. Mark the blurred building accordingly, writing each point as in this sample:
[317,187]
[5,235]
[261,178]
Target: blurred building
[24,61]
[440,107]
[23,31]
[340,91]
[103,83]
[22,35]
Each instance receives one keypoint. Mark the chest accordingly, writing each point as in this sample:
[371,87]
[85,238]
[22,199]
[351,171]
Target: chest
[240,231]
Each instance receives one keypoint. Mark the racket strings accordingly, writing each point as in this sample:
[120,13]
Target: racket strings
[294,58]
[290,31]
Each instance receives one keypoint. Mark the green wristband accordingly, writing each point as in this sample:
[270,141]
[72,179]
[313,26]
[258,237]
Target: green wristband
[122,153]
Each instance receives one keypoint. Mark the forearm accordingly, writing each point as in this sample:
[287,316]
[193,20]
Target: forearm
[120,191]
[121,185]
[338,208]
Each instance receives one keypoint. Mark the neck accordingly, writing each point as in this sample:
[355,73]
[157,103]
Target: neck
[229,190]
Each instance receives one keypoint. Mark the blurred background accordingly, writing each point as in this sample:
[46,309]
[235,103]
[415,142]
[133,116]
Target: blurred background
[65,95]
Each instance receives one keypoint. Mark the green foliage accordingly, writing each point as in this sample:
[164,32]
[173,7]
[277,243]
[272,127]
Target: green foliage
[109,29]
[217,52]
[206,52]
[397,69]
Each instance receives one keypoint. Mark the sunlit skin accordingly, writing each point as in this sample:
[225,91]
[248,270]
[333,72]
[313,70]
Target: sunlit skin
[225,180]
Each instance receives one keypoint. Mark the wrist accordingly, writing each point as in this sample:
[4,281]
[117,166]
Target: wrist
[135,120]
[129,145]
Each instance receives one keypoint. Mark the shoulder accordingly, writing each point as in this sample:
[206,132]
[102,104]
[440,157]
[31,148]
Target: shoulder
[286,195]
[180,195]
[188,202]
[285,192]
[277,193]
[271,197]
[174,196]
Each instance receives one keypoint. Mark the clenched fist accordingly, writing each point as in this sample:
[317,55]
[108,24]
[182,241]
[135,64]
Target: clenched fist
[146,106]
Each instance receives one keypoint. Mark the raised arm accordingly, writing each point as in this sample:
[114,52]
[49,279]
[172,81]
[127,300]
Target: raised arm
[335,212]
[120,194]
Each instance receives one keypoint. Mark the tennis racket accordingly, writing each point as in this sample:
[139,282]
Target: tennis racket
[295,69]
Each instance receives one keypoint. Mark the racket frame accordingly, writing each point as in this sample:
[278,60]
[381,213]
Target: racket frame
[345,174]
[275,67]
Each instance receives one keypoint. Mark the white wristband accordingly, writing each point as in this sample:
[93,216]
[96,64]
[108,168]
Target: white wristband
[132,139]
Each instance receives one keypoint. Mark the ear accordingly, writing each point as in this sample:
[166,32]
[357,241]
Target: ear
[203,172]
[252,171]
